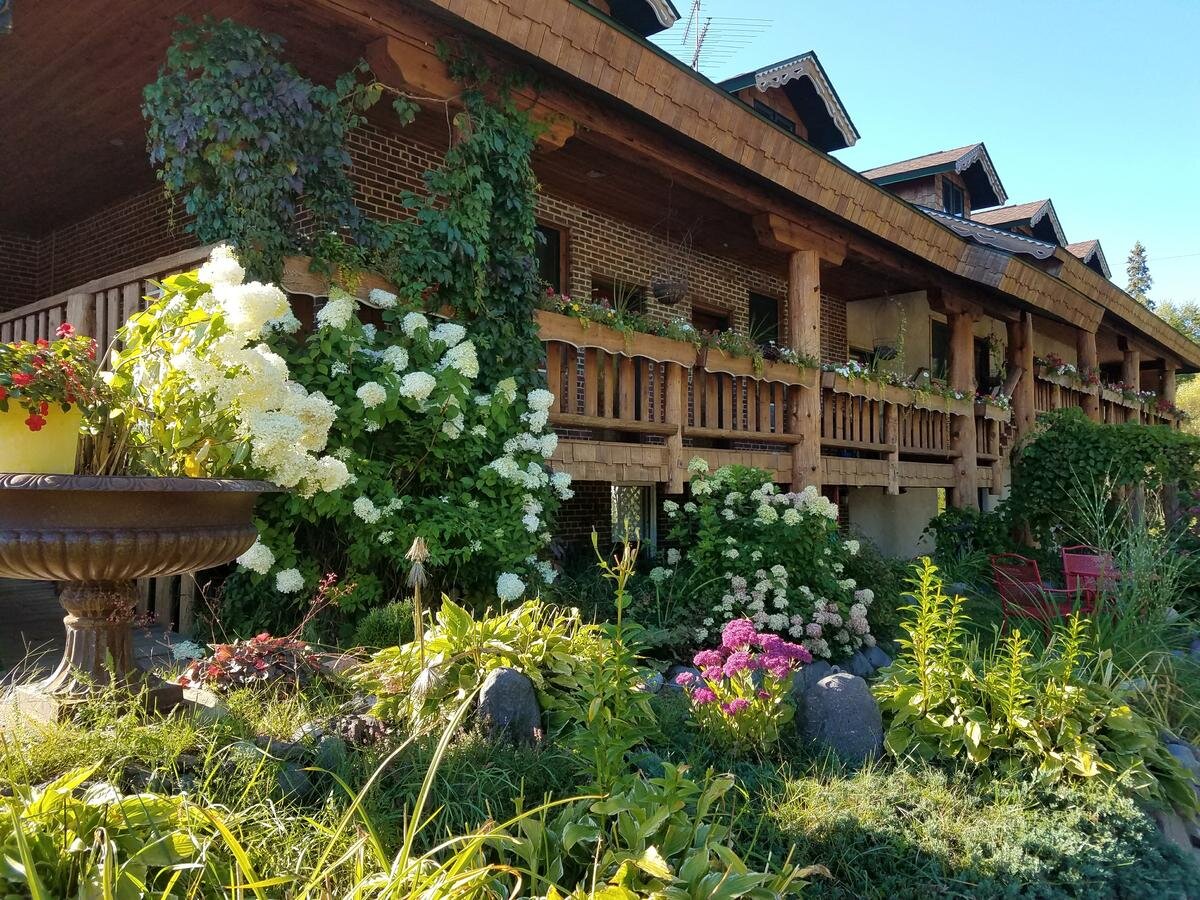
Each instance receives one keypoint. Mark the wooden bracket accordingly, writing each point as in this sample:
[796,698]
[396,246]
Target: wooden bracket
[778,233]
[953,304]
[412,65]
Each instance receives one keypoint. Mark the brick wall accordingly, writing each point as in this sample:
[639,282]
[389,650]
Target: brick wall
[591,507]
[19,268]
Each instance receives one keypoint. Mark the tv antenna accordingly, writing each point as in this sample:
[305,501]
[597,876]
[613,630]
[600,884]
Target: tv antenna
[707,41]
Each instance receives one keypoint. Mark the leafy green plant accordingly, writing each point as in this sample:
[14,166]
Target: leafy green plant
[250,145]
[75,838]
[385,626]
[1014,708]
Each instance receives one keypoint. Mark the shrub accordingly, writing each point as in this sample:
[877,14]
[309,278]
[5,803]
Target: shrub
[261,660]
[385,626]
[888,578]
[775,558]
[742,698]
[1012,708]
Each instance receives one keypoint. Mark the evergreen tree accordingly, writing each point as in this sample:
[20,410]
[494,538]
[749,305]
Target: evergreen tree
[1138,272]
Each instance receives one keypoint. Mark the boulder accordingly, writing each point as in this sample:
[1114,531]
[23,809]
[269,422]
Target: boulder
[1173,829]
[808,676]
[204,705]
[841,716]
[858,665]
[651,684]
[675,670]
[1186,757]
[330,753]
[508,707]
[876,657]
[1195,647]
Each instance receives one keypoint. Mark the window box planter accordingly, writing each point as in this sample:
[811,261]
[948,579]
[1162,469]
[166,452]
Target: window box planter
[587,334]
[712,359]
[992,411]
[893,393]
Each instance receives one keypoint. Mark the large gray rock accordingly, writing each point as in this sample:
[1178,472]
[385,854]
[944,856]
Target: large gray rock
[808,676]
[840,715]
[877,657]
[508,707]
[858,665]
[675,670]
[1183,753]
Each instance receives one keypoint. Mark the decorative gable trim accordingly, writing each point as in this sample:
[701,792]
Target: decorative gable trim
[979,154]
[807,66]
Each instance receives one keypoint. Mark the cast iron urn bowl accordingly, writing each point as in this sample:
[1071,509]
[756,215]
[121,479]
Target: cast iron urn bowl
[95,535]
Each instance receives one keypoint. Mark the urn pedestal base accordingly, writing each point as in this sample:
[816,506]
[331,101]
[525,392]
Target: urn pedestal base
[98,655]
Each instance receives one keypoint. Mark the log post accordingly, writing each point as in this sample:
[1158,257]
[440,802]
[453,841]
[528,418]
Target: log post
[674,412]
[891,436]
[1170,497]
[1089,363]
[963,437]
[1131,374]
[1020,359]
[804,333]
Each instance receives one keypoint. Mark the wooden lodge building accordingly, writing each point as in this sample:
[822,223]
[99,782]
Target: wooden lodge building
[651,176]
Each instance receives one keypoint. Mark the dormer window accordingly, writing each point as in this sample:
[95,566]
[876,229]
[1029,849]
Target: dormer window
[953,201]
[775,116]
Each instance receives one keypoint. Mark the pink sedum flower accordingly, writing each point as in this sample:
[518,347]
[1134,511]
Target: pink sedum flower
[738,634]
[706,658]
[703,695]
[685,678]
[735,706]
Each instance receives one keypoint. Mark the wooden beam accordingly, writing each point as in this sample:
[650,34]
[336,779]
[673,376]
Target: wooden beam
[1089,361]
[804,334]
[778,233]
[963,439]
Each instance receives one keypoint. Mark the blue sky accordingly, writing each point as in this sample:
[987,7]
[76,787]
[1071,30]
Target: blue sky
[1095,104]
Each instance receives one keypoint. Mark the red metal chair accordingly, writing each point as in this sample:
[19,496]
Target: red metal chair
[1023,595]
[1089,572]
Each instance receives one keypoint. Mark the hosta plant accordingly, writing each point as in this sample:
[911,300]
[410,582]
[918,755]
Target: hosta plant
[741,697]
[1016,708]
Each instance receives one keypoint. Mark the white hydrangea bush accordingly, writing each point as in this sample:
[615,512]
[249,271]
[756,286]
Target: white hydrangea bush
[749,550]
[210,396]
[432,448]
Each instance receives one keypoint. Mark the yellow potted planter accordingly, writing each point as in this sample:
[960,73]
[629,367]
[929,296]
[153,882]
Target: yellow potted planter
[51,449]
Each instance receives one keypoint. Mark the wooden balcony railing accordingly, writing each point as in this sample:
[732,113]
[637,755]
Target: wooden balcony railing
[1053,391]
[99,307]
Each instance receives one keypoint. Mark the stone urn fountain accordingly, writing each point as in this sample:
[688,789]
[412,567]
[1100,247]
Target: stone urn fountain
[94,536]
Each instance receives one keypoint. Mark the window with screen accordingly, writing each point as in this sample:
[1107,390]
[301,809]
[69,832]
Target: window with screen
[764,318]
[550,246]
[633,513]
[709,319]
[775,116]
[953,200]
[618,294]
[939,349]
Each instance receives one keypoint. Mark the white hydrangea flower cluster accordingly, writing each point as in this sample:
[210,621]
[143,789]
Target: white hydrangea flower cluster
[831,622]
[258,558]
[284,425]
[509,587]
[532,475]
[338,310]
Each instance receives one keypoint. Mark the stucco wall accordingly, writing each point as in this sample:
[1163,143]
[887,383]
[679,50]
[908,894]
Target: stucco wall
[893,523]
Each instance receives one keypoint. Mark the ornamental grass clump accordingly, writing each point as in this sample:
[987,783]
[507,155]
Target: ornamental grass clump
[740,698]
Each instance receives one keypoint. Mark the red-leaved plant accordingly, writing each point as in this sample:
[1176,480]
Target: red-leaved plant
[41,377]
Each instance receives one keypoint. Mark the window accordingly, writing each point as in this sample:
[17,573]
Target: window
[550,246]
[618,294]
[633,514]
[709,319]
[775,116]
[939,349]
[983,365]
[764,318]
[952,198]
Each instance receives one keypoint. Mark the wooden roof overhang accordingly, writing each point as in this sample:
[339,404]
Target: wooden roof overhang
[73,136]
[568,36]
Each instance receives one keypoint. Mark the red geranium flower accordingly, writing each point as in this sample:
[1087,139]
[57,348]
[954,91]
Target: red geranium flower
[45,408]
[20,379]
[3,392]
[65,330]
[35,422]
[43,343]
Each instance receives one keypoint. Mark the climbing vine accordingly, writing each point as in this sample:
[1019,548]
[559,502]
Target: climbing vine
[1069,455]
